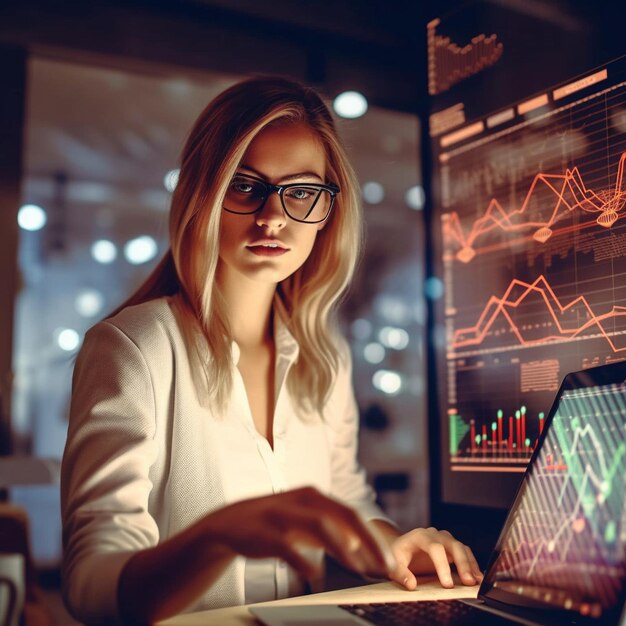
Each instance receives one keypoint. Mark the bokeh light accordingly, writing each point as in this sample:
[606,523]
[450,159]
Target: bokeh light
[104,251]
[140,250]
[31,217]
[350,104]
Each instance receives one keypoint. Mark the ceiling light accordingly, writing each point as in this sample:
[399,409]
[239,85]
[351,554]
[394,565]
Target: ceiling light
[31,217]
[373,192]
[68,339]
[395,338]
[104,251]
[170,180]
[350,104]
[374,352]
[140,250]
[387,381]
[89,302]
[414,197]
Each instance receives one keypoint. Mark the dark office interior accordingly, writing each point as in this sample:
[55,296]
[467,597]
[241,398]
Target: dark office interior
[96,99]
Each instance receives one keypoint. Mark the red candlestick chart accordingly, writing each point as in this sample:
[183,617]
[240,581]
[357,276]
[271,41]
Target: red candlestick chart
[502,443]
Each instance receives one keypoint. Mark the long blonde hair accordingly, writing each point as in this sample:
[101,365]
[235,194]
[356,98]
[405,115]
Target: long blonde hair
[307,300]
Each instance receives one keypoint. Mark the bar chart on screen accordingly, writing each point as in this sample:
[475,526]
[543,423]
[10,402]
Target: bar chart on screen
[504,444]
[449,62]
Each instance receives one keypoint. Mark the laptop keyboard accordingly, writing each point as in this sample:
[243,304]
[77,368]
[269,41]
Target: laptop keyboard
[439,613]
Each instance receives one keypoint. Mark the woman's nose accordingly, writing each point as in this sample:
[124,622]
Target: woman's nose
[272,213]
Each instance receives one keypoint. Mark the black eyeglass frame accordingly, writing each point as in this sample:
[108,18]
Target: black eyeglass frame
[331,188]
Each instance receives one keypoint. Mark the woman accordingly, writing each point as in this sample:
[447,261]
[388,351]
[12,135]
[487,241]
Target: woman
[224,380]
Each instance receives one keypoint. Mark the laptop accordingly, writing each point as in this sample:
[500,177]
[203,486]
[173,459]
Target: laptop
[561,555]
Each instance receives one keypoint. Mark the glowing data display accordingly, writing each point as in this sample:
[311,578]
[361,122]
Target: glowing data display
[564,545]
[532,254]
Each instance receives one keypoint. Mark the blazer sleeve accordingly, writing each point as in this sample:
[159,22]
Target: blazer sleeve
[349,484]
[105,481]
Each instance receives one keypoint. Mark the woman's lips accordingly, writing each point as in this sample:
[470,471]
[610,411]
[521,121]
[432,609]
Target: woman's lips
[267,249]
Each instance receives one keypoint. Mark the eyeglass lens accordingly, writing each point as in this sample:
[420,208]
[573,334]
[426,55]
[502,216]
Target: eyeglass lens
[302,202]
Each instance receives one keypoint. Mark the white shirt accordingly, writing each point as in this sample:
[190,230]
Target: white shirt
[145,458]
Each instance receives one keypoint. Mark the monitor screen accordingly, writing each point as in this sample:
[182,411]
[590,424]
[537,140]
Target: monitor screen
[529,240]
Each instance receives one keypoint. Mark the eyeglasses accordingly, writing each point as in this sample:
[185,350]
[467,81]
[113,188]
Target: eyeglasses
[303,202]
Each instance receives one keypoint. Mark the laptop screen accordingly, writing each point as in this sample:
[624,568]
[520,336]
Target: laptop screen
[563,545]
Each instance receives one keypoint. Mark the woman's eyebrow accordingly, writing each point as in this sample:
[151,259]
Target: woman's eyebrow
[295,176]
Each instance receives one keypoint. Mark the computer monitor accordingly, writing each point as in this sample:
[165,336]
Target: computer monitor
[528,234]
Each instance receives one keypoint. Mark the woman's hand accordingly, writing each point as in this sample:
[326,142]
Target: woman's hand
[424,549]
[284,525]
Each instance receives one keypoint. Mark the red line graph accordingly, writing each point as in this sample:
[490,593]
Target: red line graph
[475,335]
[570,193]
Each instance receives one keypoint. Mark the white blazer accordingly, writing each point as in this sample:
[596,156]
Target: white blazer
[145,458]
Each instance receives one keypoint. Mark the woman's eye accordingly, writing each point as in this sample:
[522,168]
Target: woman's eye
[241,187]
[300,193]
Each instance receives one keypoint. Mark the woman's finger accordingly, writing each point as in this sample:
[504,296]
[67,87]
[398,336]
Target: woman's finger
[439,557]
[423,548]
[461,555]
[404,576]
[474,564]
[460,558]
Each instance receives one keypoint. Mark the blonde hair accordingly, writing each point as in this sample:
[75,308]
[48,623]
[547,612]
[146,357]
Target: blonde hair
[306,300]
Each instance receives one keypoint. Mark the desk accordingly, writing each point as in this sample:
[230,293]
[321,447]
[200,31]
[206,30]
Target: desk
[428,589]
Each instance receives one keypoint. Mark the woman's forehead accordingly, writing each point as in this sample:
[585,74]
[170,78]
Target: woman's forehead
[286,150]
